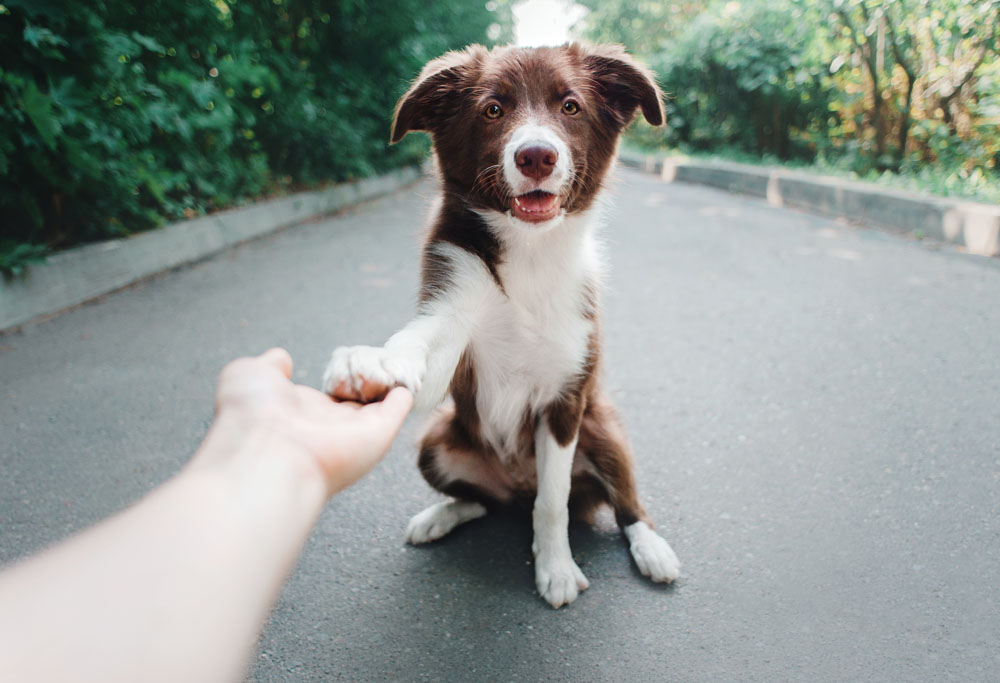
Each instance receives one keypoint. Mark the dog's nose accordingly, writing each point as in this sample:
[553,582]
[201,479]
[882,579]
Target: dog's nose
[535,160]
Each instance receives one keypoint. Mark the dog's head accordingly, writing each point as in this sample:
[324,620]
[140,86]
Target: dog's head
[528,132]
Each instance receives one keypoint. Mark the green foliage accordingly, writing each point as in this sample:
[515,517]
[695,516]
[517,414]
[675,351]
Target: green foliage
[881,89]
[737,76]
[938,179]
[644,27]
[116,115]
[15,256]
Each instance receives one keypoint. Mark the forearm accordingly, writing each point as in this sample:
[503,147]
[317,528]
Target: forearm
[174,588]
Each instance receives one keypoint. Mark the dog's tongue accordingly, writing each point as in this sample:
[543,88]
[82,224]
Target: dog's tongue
[538,202]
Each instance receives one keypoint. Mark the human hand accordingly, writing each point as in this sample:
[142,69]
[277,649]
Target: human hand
[257,404]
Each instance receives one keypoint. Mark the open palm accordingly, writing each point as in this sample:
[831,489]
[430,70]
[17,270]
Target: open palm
[345,440]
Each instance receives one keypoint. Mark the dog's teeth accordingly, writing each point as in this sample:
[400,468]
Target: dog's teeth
[518,202]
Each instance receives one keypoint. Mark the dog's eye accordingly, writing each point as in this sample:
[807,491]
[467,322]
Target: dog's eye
[570,107]
[493,111]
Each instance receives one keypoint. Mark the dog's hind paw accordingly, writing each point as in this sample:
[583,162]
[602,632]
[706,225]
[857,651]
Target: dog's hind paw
[652,554]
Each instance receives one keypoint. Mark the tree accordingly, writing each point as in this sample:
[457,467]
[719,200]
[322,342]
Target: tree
[644,27]
[116,115]
[918,53]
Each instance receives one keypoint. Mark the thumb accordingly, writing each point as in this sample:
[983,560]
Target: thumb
[393,409]
[278,358]
[378,429]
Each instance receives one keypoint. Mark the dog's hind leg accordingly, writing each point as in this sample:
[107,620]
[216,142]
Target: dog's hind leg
[439,519]
[458,468]
[602,442]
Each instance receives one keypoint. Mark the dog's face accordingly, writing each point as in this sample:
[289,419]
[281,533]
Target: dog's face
[527,132]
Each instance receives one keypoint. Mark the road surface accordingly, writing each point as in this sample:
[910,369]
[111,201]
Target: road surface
[814,409]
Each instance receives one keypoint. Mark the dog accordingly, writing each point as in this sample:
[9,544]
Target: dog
[508,321]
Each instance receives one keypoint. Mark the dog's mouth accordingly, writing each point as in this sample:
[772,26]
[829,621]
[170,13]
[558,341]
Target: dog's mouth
[536,206]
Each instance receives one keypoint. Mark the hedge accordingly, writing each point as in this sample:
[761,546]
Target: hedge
[120,115]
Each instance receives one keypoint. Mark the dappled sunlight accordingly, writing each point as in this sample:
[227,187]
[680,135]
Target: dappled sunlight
[977,226]
[835,252]
[846,254]
[725,211]
[654,199]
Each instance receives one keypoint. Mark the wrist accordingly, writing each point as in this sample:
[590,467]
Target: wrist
[258,455]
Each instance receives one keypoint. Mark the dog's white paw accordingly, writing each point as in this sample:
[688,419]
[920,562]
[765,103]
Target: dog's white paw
[653,555]
[439,519]
[558,578]
[367,373]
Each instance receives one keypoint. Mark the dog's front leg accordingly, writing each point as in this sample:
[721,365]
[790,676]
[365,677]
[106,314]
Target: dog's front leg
[558,578]
[421,357]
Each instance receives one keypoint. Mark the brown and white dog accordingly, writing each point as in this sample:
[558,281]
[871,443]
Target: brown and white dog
[508,320]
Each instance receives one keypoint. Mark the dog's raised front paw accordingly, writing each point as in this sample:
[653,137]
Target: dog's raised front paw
[368,373]
[558,579]
[652,554]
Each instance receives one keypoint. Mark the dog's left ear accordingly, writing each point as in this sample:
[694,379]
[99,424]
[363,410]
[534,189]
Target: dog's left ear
[624,84]
[432,97]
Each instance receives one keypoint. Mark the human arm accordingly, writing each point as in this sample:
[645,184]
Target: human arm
[177,586]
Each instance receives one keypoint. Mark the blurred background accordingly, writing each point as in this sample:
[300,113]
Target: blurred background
[119,115]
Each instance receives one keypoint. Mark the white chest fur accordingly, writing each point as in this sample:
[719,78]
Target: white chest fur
[532,338]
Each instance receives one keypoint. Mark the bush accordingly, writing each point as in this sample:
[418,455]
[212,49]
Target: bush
[875,88]
[118,114]
[738,77]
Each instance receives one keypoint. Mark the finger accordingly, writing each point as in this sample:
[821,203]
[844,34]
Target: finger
[232,373]
[394,408]
[375,427]
[278,358]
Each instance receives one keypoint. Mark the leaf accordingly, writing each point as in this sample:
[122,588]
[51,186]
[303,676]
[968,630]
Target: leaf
[53,9]
[147,42]
[80,159]
[38,107]
[151,184]
[120,45]
[15,256]
[41,38]
[203,92]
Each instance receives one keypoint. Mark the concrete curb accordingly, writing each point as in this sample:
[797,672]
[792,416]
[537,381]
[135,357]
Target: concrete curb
[971,225]
[78,275]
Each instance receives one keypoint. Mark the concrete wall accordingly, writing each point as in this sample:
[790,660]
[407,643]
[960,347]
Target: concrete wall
[77,275]
[971,225]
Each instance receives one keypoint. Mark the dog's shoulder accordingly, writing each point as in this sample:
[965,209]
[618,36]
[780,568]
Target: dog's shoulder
[456,236]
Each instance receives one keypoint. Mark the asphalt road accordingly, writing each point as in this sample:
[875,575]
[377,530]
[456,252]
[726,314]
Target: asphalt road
[814,409]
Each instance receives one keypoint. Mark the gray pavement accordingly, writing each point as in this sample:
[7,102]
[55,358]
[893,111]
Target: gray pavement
[813,408]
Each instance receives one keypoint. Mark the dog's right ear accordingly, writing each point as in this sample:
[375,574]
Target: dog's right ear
[431,97]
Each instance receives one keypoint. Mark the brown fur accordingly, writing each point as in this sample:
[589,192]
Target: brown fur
[602,467]
[447,100]
[448,97]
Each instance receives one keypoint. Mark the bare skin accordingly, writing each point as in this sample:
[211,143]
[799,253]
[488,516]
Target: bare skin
[178,586]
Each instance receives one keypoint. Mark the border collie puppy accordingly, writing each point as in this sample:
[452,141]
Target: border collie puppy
[508,322]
